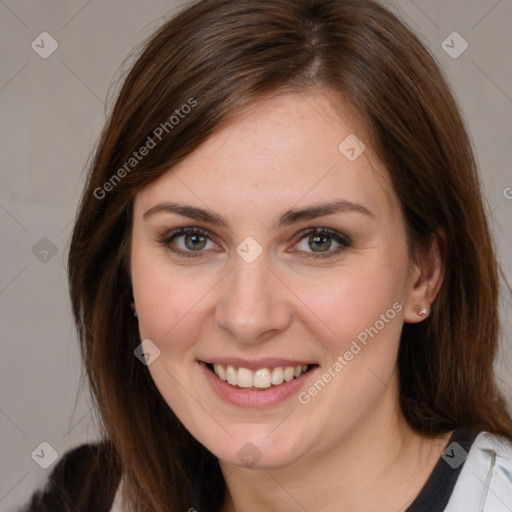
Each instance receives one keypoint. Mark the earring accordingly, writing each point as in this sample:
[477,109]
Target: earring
[134,310]
[423,312]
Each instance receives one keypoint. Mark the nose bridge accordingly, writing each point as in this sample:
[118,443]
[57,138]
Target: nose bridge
[252,303]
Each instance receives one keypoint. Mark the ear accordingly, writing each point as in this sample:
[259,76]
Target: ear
[426,278]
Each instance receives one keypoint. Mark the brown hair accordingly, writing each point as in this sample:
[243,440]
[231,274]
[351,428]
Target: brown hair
[222,55]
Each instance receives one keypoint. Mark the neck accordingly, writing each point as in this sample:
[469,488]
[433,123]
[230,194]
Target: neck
[382,464]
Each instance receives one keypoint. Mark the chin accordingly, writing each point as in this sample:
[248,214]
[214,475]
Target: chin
[258,450]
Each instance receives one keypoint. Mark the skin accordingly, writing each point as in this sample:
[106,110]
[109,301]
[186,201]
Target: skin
[349,448]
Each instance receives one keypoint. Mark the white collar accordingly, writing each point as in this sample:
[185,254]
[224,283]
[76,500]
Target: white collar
[485,481]
[117,505]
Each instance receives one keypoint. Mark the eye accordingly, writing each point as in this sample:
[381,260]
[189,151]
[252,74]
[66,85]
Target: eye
[189,241]
[320,240]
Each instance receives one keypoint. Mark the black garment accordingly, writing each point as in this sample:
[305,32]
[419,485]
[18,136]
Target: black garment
[438,489]
[79,484]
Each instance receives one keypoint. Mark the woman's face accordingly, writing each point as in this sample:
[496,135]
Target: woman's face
[261,292]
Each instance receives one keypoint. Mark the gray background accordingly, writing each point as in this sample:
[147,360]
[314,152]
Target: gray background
[52,111]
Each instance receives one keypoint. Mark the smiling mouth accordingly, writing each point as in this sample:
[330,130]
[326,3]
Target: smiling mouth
[260,379]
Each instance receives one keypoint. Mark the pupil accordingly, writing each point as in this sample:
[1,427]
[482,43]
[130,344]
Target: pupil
[318,238]
[194,239]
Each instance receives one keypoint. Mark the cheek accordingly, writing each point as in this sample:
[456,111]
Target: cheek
[166,301]
[169,308]
[361,321]
[166,309]
[355,303]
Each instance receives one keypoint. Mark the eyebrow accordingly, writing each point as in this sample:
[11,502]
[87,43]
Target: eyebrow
[287,218]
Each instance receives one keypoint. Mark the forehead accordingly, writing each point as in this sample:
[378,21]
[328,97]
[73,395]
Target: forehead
[287,149]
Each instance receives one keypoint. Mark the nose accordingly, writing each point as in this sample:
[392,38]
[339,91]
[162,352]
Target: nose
[253,305]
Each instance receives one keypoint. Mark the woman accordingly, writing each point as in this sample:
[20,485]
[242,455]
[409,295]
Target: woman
[282,276]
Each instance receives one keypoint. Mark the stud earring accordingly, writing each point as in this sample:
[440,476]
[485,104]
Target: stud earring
[423,312]
[134,310]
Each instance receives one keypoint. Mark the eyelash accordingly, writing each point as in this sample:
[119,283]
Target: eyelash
[343,240]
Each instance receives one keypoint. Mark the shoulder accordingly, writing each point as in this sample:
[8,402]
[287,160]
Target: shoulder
[485,482]
[85,478]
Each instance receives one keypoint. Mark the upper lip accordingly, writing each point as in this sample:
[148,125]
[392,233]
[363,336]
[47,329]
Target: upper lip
[256,364]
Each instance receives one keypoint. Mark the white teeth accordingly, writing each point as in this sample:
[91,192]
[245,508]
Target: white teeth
[278,376]
[289,373]
[219,370]
[231,375]
[262,378]
[244,378]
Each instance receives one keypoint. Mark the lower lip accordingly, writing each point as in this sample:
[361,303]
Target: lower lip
[254,397]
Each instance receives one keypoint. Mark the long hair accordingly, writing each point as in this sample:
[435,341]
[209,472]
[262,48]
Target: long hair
[193,76]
